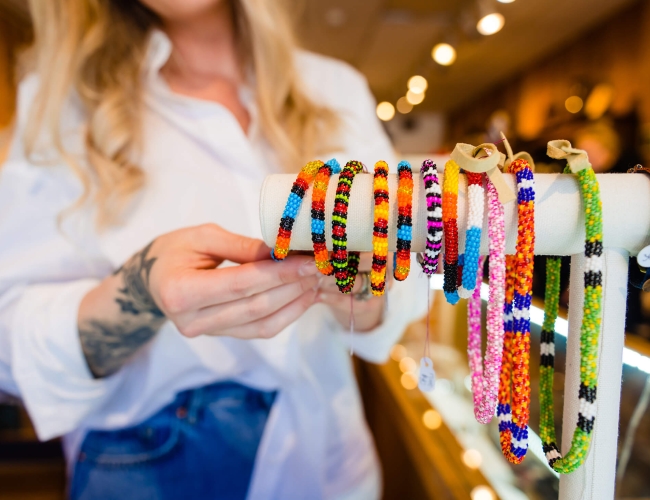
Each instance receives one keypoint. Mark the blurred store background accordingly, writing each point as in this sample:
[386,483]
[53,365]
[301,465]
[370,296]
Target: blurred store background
[447,71]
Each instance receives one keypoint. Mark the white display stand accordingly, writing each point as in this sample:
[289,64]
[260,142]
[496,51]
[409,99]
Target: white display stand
[559,230]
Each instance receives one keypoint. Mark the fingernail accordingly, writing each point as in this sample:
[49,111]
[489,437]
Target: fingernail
[308,269]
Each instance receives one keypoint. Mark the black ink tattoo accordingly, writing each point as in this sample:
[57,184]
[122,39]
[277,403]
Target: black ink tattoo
[107,345]
[136,295]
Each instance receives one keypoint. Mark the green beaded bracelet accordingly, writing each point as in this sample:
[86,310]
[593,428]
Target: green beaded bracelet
[589,334]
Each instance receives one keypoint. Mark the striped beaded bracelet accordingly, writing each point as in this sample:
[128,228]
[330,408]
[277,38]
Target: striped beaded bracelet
[433,196]
[475,203]
[513,409]
[380,229]
[318,197]
[450,227]
[402,264]
[345,266]
[485,382]
[589,330]
[300,186]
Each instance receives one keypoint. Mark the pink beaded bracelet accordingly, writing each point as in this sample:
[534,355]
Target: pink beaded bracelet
[485,382]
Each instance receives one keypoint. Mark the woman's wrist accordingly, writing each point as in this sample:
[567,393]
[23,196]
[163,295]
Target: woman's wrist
[119,316]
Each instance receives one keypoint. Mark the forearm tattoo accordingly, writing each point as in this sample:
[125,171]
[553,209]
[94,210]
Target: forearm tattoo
[107,345]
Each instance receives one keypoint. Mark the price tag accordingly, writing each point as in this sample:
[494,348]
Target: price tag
[644,257]
[427,380]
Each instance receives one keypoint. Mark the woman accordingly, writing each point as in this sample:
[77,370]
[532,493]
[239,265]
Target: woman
[144,137]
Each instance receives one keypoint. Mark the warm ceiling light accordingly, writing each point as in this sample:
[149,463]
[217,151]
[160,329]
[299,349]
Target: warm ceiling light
[573,104]
[472,459]
[482,492]
[403,106]
[385,111]
[490,24]
[444,54]
[414,98]
[432,419]
[417,84]
[505,1]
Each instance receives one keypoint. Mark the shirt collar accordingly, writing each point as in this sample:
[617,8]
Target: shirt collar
[158,51]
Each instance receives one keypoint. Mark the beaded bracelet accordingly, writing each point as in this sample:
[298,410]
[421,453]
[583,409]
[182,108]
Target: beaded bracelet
[433,196]
[589,335]
[485,384]
[300,185]
[380,230]
[404,221]
[318,197]
[475,202]
[450,226]
[345,267]
[515,370]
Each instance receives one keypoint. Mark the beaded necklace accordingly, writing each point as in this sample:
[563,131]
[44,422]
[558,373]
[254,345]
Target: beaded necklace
[298,189]
[380,230]
[346,266]
[319,194]
[485,384]
[433,196]
[589,329]
[515,370]
[404,221]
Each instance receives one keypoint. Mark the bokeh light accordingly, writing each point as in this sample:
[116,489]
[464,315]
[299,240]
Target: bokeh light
[573,104]
[490,24]
[385,111]
[432,419]
[444,54]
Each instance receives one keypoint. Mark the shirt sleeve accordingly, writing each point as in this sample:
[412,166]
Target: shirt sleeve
[47,265]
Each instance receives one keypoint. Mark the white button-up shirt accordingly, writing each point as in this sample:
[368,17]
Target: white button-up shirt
[200,167]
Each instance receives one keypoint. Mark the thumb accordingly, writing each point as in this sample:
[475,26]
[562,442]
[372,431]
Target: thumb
[224,245]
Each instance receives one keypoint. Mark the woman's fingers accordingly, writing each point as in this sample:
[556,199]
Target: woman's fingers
[221,244]
[271,325]
[201,288]
[240,312]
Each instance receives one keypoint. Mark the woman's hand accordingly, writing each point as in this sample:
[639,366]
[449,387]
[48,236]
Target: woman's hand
[367,314]
[177,277]
[256,299]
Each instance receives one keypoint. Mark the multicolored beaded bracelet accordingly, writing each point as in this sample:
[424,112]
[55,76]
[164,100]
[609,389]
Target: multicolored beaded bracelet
[450,226]
[404,221]
[513,409]
[475,203]
[433,196]
[485,382]
[345,267]
[380,230]
[300,186]
[589,334]
[318,197]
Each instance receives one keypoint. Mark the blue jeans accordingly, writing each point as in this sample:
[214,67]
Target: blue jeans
[201,446]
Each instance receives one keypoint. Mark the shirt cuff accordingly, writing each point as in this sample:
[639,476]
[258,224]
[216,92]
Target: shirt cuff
[48,363]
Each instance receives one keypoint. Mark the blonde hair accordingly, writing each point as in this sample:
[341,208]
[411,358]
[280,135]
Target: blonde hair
[97,48]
